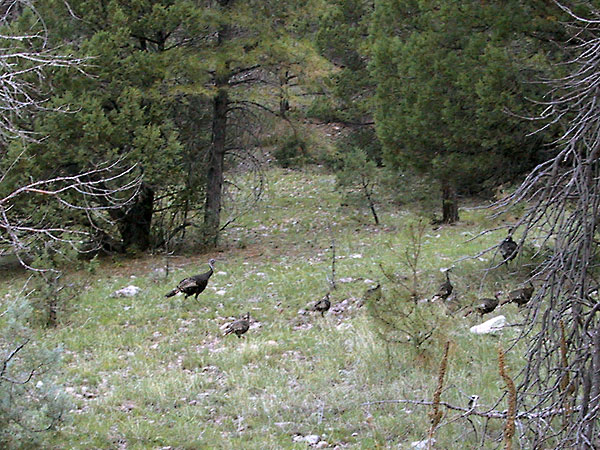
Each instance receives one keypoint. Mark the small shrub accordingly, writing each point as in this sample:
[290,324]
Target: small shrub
[358,179]
[398,316]
[30,402]
[293,152]
[50,296]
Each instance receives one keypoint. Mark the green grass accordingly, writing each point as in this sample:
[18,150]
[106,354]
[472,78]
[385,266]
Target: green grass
[151,372]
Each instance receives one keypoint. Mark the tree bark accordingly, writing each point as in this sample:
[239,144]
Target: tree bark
[214,179]
[449,202]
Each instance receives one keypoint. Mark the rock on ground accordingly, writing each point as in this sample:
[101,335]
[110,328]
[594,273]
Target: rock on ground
[489,326]
[128,291]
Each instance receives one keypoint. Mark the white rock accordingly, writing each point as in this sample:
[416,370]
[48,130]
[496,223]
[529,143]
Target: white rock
[355,256]
[312,439]
[421,445]
[221,292]
[489,326]
[128,291]
[322,444]
[346,280]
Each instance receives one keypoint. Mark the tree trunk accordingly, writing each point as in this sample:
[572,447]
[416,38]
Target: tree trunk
[367,192]
[134,222]
[449,202]
[214,179]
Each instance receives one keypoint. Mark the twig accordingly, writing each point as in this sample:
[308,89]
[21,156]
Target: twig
[332,281]
[509,428]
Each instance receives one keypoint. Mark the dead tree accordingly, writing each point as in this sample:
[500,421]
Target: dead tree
[563,198]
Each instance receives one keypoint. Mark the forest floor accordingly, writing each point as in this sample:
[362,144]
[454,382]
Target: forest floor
[151,372]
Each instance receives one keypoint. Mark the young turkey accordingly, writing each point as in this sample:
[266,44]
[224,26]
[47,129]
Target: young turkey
[239,327]
[508,249]
[520,296]
[322,305]
[485,305]
[445,289]
[194,285]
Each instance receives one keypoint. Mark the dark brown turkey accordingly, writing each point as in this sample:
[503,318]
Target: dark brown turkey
[373,294]
[194,285]
[520,296]
[445,289]
[486,305]
[239,327]
[322,305]
[508,249]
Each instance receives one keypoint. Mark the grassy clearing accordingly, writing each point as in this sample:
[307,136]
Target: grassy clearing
[150,372]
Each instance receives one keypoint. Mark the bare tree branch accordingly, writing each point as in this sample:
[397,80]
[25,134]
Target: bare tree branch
[563,213]
[24,90]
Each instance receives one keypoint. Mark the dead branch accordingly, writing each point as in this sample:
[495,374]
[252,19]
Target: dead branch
[563,213]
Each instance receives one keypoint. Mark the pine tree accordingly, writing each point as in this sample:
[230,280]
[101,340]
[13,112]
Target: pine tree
[450,85]
[343,39]
[176,87]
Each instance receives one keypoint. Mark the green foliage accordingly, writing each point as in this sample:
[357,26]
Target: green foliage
[400,316]
[50,297]
[358,177]
[341,39]
[447,78]
[292,152]
[31,403]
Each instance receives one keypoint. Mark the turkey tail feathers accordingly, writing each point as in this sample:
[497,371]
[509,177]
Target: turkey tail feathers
[172,293]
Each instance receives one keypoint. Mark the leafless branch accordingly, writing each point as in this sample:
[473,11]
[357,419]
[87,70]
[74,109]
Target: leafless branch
[562,375]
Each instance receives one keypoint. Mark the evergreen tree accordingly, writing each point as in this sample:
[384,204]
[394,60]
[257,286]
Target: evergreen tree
[176,86]
[343,39]
[258,48]
[450,85]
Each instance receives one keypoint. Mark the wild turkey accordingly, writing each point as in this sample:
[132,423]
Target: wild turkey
[520,296]
[322,305]
[508,249]
[373,293]
[194,285]
[445,289]
[486,305]
[239,327]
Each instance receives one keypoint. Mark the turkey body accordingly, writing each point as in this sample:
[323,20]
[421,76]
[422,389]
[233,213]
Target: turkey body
[487,305]
[445,289]
[520,296]
[508,249]
[322,305]
[239,327]
[194,285]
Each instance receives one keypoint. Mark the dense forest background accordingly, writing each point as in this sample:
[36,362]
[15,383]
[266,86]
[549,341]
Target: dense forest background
[137,127]
[190,92]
